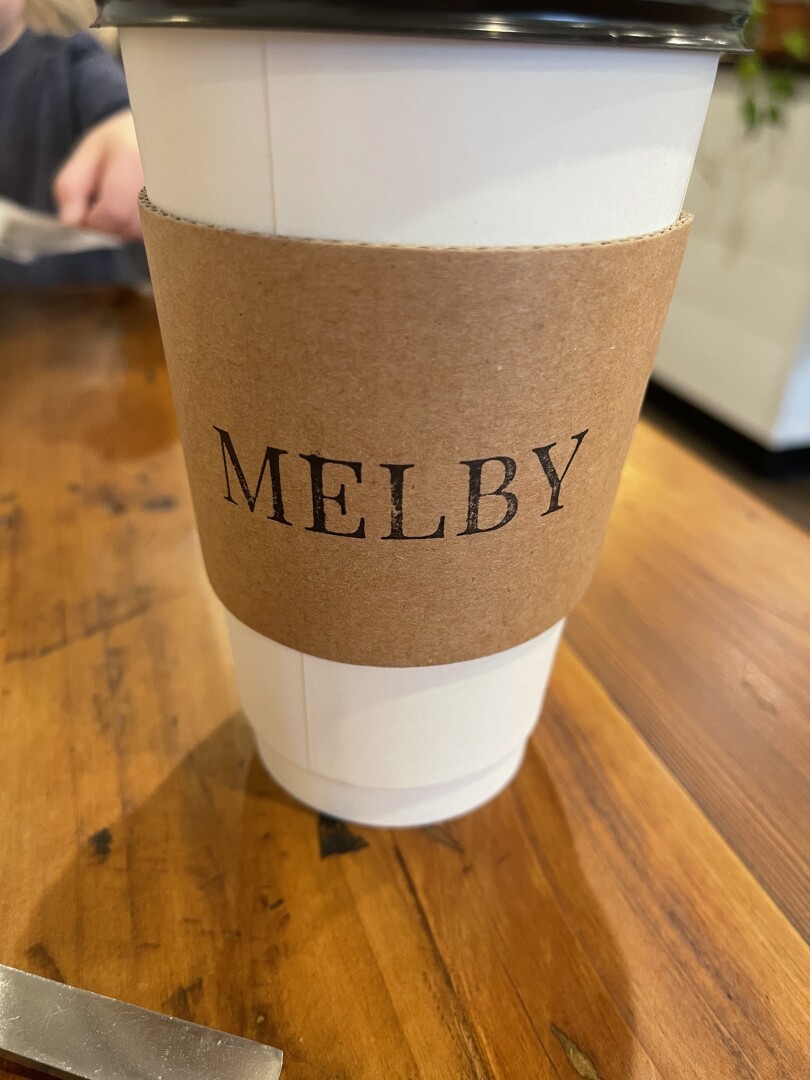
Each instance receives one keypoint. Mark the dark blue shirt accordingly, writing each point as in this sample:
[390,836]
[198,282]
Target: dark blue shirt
[52,90]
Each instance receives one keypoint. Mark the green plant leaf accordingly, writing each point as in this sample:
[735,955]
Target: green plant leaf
[782,85]
[750,113]
[749,67]
[796,44]
[774,115]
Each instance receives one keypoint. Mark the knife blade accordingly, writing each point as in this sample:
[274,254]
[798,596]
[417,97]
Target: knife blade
[25,235]
[71,1033]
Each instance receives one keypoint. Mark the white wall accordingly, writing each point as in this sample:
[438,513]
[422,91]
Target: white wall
[737,342]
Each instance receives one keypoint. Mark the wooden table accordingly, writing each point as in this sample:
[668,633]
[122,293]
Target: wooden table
[631,908]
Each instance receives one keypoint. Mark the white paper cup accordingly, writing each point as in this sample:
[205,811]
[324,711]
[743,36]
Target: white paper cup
[412,141]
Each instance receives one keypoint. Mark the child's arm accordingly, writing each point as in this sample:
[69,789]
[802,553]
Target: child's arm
[98,185]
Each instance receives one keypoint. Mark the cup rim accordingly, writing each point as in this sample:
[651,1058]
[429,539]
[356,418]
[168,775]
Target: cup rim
[703,25]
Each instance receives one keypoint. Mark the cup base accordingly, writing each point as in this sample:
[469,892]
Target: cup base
[392,807]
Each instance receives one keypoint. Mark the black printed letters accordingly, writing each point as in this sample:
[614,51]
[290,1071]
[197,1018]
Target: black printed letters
[487,491]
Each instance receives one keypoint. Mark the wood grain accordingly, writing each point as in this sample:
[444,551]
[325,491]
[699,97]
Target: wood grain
[627,910]
[710,591]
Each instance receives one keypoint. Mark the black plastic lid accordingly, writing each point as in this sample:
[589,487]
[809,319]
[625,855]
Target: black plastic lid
[714,25]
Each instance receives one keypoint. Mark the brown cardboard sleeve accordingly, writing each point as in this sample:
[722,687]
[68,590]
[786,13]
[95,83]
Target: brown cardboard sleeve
[385,444]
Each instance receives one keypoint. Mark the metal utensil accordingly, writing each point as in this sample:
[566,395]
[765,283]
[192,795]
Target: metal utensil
[66,1032]
[26,234]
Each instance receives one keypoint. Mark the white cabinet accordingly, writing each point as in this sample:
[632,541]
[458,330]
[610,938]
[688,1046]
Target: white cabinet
[737,342]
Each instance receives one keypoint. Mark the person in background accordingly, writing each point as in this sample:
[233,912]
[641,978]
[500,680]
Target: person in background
[66,17]
[67,146]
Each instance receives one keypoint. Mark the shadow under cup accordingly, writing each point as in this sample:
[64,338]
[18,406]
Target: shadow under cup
[459,140]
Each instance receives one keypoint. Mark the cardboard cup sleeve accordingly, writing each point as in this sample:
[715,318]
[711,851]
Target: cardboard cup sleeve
[404,456]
